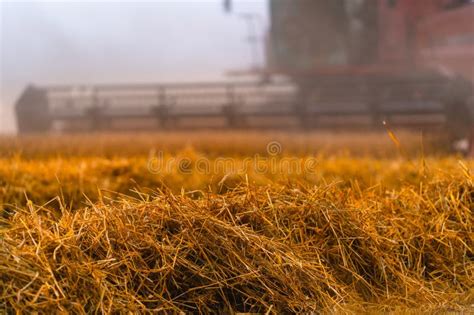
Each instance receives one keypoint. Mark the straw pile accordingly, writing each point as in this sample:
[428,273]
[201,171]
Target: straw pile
[282,248]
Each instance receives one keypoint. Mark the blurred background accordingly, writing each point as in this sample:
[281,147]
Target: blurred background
[278,64]
[72,42]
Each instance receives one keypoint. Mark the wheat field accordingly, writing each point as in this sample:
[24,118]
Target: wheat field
[235,222]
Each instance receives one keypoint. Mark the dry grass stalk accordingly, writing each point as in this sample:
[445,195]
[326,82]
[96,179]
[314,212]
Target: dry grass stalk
[292,248]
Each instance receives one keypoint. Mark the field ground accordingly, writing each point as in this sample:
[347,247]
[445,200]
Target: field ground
[231,221]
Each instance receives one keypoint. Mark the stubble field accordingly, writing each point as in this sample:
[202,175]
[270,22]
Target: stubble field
[260,222]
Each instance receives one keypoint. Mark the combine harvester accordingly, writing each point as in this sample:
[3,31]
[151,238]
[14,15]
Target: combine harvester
[347,64]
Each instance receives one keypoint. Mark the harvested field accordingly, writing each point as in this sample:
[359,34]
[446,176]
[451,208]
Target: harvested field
[98,224]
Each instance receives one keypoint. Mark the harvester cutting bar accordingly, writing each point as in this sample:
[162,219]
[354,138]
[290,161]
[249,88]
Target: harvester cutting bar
[222,104]
[98,106]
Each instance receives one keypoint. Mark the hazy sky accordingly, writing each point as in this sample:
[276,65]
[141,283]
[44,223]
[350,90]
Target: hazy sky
[104,41]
